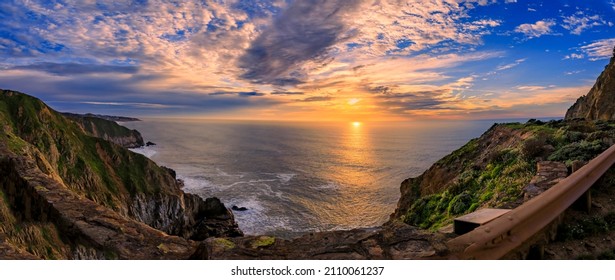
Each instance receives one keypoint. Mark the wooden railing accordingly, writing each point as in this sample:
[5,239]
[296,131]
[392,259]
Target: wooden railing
[508,232]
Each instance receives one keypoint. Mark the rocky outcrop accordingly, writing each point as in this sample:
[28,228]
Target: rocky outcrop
[447,172]
[185,215]
[90,230]
[391,241]
[507,165]
[107,129]
[599,103]
[547,175]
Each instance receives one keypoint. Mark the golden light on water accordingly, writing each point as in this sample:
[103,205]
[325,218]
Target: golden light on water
[355,164]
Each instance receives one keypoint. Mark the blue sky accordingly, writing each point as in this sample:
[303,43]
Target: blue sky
[298,60]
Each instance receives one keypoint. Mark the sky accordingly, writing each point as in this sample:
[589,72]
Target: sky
[357,60]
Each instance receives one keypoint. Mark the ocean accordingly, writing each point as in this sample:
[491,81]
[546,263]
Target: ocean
[298,177]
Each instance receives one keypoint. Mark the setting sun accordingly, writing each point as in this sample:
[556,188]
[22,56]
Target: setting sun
[353,101]
[356,124]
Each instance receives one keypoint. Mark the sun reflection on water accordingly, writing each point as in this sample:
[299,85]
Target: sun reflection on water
[354,201]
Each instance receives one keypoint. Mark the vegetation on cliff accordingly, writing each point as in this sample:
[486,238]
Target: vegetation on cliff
[494,169]
[99,170]
[107,129]
[40,140]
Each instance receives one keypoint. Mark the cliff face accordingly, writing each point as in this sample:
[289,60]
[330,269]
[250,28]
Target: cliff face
[112,178]
[108,130]
[598,103]
[42,218]
[500,169]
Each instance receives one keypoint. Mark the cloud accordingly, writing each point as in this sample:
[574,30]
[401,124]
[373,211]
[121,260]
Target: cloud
[574,56]
[538,29]
[64,69]
[418,25]
[303,32]
[132,104]
[510,65]
[122,95]
[315,99]
[241,93]
[281,57]
[600,49]
[533,88]
[307,36]
[413,102]
[540,95]
[287,93]
[579,22]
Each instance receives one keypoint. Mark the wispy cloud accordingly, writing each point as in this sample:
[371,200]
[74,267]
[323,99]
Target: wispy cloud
[573,72]
[574,56]
[315,99]
[580,22]
[534,88]
[600,49]
[132,104]
[511,65]
[64,69]
[535,30]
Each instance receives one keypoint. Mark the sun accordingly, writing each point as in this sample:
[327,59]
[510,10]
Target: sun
[353,101]
[356,124]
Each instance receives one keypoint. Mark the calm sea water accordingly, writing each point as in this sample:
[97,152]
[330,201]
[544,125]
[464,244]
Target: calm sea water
[301,177]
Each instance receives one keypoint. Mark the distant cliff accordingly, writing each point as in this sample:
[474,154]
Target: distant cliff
[66,194]
[106,128]
[104,117]
[599,103]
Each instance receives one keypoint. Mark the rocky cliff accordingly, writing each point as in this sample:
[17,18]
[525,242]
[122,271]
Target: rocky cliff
[502,168]
[107,129]
[45,156]
[598,104]
[42,218]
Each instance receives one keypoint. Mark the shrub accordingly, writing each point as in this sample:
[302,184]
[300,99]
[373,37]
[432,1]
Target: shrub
[459,204]
[583,151]
[581,126]
[533,147]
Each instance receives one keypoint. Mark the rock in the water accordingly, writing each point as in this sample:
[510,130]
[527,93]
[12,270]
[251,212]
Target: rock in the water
[215,208]
[237,208]
[149,143]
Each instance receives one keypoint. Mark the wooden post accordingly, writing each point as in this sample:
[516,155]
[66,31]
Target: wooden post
[537,252]
[584,203]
